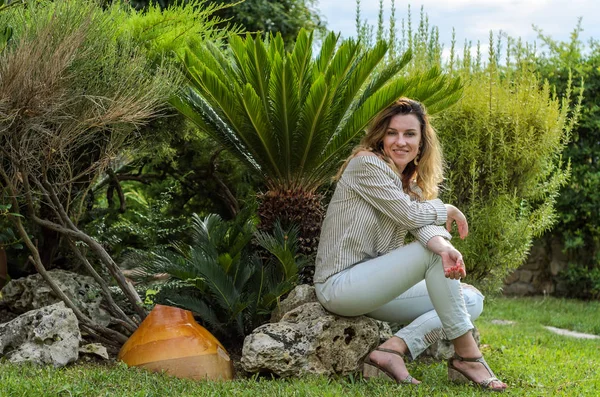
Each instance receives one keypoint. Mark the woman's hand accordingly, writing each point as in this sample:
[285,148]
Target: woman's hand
[454,266]
[455,215]
[452,260]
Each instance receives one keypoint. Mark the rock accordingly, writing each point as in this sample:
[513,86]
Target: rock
[538,257]
[300,295]
[385,331]
[557,266]
[525,276]
[546,287]
[518,289]
[33,292]
[511,278]
[443,349]
[49,335]
[309,340]
[96,349]
[560,259]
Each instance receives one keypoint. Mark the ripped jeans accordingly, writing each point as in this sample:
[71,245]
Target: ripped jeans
[405,286]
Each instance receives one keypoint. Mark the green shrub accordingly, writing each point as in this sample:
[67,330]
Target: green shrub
[503,144]
[578,205]
[145,225]
[581,282]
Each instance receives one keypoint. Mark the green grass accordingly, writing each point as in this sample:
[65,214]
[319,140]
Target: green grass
[532,360]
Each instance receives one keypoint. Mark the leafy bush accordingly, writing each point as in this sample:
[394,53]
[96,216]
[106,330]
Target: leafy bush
[579,203]
[258,16]
[581,281]
[502,144]
[145,225]
[220,279]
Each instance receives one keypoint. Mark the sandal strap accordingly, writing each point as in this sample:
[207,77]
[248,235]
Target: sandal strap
[480,360]
[486,382]
[408,379]
[381,349]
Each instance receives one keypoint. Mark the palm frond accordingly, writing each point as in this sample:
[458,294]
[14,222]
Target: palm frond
[261,127]
[258,70]
[390,71]
[327,51]
[195,108]
[365,66]
[301,58]
[285,108]
[312,118]
[276,46]
[282,244]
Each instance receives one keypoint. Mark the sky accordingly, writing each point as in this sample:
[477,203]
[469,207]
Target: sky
[473,19]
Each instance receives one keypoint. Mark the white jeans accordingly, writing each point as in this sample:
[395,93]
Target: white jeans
[405,286]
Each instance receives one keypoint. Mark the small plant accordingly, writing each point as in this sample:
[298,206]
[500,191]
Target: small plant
[218,278]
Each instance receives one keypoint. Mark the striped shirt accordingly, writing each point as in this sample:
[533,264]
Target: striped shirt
[370,214]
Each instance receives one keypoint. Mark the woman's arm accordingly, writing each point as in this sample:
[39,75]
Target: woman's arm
[376,183]
[455,215]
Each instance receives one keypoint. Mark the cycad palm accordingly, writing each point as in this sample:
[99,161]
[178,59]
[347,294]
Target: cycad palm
[292,117]
[215,277]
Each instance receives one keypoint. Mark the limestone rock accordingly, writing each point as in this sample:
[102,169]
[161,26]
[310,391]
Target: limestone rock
[49,335]
[33,292]
[300,295]
[511,278]
[310,340]
[96,349]
[385,331]
[525,276]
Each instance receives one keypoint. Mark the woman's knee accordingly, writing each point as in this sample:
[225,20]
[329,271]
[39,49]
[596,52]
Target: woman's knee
[473,300]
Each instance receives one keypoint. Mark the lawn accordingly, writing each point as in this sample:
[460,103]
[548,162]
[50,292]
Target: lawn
[532,360]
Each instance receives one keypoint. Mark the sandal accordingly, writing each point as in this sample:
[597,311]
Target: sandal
[373,370]
[458,376]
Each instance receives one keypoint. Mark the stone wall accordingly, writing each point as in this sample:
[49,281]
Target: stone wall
[538,276]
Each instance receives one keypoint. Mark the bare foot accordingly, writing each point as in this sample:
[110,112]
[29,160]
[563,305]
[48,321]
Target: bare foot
[393,363]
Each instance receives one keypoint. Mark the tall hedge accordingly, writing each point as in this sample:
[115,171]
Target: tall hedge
[578,205]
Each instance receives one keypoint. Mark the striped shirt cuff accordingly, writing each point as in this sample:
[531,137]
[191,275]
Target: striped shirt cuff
[440,209]
[426,233]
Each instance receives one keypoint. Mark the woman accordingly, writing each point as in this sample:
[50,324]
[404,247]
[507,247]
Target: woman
[388,187]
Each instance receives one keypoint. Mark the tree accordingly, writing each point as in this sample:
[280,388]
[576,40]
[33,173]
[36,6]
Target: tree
[286,17]
[292,118]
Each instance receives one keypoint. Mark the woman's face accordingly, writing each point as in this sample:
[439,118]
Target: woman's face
[402,138]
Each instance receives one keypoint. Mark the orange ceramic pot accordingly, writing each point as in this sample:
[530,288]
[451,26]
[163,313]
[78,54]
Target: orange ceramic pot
[170,340]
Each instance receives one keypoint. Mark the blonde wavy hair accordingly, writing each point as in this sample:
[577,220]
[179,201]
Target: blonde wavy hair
[428,174]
